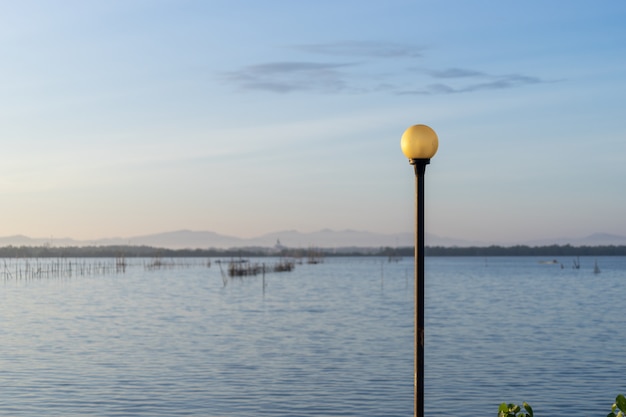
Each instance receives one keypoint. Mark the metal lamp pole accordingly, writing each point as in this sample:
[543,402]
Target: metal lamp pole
[419,143]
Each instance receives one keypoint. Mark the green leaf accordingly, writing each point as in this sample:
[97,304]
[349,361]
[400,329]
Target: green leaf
[611,415]
[516,409]
[528,409]
[621,402]
[503,408]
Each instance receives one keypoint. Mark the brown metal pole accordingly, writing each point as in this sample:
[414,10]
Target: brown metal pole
[420,170]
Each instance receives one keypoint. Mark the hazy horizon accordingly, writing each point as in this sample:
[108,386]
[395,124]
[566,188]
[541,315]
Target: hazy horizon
[243,118]
[327,238]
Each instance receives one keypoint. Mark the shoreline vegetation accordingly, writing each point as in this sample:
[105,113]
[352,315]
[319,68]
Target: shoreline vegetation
[130,251]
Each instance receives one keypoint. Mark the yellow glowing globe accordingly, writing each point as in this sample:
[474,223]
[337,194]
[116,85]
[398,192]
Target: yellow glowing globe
[419,142]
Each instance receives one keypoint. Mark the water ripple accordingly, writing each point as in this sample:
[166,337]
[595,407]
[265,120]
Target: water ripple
[333,339]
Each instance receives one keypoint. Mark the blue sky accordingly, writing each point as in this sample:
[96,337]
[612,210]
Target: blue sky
[122,118]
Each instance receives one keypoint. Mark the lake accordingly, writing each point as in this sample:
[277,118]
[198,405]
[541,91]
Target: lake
[330,339]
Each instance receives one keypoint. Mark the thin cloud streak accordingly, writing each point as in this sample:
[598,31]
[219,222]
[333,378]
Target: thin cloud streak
[321,77]
[492,82]
[285,77]
[455,73]
[362,49]
[335,78]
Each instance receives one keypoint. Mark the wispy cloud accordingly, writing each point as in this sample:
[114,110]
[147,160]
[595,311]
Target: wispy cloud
[482,81]
[284,77]
[364,75]
[362,49]
[327,76]
[455,73]
[506,81]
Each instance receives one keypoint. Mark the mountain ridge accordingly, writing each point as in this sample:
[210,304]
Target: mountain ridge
[324,238]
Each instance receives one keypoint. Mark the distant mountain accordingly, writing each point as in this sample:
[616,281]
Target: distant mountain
[189,239]
[326,238]
[596,239]
[183,239]
[332,239]
[16,240]
[289,238]
[21,240]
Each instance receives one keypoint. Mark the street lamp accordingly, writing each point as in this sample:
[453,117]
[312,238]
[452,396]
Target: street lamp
[419,143]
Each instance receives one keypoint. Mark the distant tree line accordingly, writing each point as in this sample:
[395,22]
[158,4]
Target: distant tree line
[129,251]
[521,250]
[118,251]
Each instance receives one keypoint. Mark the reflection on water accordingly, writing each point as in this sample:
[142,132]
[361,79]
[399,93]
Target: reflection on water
[329,339]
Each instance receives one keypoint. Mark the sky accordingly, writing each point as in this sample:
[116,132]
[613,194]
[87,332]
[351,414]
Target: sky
[121,118]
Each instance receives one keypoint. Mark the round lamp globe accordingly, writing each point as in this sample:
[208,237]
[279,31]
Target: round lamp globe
[419,142]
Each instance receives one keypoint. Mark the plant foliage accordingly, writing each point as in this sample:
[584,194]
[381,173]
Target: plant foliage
[619,406]
[514,410]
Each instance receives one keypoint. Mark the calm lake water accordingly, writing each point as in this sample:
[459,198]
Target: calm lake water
[332,339]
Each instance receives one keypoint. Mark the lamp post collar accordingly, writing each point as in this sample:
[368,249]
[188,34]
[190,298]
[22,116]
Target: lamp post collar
[420,165]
